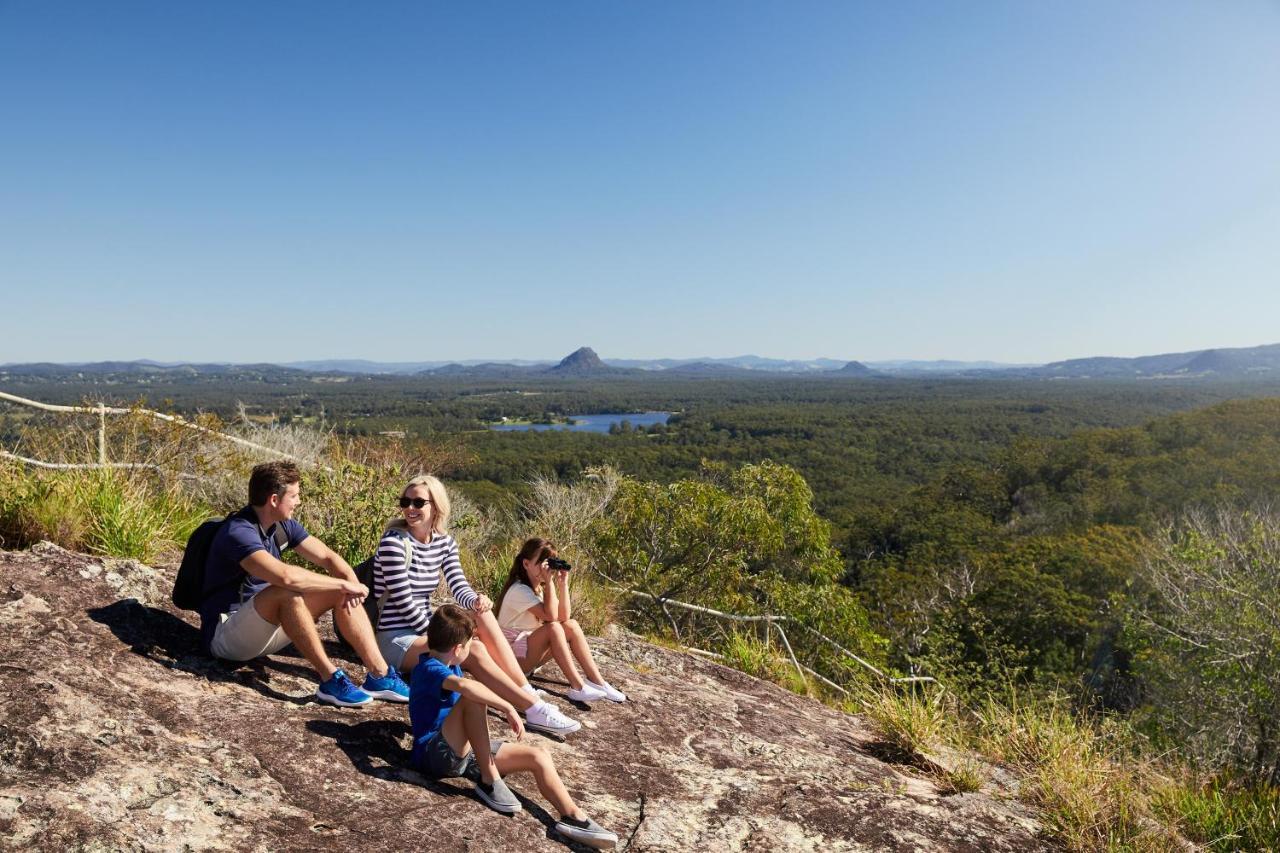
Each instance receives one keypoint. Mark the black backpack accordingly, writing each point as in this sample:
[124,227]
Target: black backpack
[373,604]
[188,587]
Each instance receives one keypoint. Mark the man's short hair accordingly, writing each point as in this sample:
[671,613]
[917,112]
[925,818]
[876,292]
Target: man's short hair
[271,478]
[450,626]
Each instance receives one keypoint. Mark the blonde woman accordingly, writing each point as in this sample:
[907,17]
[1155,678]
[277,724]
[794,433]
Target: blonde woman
[416,551]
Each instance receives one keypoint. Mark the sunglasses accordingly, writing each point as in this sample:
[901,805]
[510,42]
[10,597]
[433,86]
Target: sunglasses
[416,503]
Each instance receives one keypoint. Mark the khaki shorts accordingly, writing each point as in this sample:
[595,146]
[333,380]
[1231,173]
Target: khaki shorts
[244,635]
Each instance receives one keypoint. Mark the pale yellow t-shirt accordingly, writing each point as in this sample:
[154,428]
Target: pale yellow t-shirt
[515,615]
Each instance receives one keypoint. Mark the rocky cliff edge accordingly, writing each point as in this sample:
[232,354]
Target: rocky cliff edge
[116,734]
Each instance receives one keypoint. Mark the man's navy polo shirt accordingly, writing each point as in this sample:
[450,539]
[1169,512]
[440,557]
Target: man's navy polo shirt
[237,539]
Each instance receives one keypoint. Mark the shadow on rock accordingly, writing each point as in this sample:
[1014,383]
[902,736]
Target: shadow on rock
[374,748]
[159,636]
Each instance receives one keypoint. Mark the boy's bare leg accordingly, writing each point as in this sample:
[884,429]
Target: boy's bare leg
[578,642]
[498,647]
[550,639]
[518,757]
[477,725]
[454,729]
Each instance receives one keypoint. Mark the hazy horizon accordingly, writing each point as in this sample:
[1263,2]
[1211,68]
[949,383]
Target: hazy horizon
[1017,183]
[604,357]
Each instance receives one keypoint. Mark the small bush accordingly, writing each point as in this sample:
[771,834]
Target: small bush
[130,518]
[966,777]
[913,721]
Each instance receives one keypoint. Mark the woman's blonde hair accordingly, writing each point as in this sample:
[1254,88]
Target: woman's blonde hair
[439,504]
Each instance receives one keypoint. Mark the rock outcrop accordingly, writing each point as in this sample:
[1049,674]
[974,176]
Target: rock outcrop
[116,734]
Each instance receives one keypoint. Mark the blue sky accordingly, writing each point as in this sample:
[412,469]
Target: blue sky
[1015,181]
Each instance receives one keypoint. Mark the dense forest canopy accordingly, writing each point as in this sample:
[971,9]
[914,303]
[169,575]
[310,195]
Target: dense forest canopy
[988,532]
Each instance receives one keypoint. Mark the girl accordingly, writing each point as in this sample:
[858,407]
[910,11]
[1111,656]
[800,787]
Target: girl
[534,612]
[413,554]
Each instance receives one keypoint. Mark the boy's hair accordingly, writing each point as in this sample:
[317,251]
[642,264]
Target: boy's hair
[271,478]
[450,626]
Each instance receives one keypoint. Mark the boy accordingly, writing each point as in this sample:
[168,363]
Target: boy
[451,731]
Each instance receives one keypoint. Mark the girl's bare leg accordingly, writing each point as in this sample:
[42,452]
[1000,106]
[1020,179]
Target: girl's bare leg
[578,642]
[550,640]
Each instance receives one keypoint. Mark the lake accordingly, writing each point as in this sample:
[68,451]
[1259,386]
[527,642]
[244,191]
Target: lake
[591,423]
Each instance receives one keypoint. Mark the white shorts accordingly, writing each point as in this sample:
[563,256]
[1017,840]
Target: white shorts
[519,641]
[244,635]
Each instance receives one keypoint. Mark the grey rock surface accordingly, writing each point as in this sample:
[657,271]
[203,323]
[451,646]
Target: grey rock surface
[115,733]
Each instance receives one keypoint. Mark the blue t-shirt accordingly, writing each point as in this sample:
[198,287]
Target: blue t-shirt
[239,536]
[429,701]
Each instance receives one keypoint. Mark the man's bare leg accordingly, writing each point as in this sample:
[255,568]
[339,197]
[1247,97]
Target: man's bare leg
[353,624]
[293,612]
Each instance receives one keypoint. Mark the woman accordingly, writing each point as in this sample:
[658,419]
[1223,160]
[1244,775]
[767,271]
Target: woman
[535,614]
[413,554]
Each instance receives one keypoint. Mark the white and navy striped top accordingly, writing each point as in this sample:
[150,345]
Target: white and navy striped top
[408,589]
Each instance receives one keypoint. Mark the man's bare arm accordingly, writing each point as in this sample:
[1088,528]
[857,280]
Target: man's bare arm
[276,572]
[322,556]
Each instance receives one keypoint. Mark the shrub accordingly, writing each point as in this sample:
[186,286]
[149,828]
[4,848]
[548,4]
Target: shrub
[1208,635]
[1224,813]
[744,651]
[912,721]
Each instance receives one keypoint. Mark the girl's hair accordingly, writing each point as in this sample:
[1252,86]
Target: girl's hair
[535,550]
[439,504]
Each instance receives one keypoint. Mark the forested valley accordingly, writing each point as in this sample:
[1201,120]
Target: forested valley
[1111,542]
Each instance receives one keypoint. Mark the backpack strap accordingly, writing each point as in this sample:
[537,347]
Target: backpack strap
[282,538]
[407,541]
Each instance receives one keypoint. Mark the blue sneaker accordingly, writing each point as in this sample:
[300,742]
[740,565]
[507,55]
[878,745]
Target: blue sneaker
[339,690]
[390,687]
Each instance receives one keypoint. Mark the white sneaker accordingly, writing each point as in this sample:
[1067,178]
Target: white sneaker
[533,691]
[545,717]
[610,692]
[588,693]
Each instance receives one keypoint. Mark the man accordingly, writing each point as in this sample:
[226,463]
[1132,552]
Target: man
[255,604]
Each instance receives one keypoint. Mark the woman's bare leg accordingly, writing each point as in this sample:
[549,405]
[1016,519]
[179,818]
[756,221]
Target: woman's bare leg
[488,673]
[411,655]
[499,649]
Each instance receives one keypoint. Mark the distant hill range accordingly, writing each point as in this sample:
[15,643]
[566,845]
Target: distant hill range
[1234,363]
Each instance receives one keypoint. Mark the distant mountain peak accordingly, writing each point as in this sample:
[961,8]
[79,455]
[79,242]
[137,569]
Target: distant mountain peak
[581,360]
[855,368]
